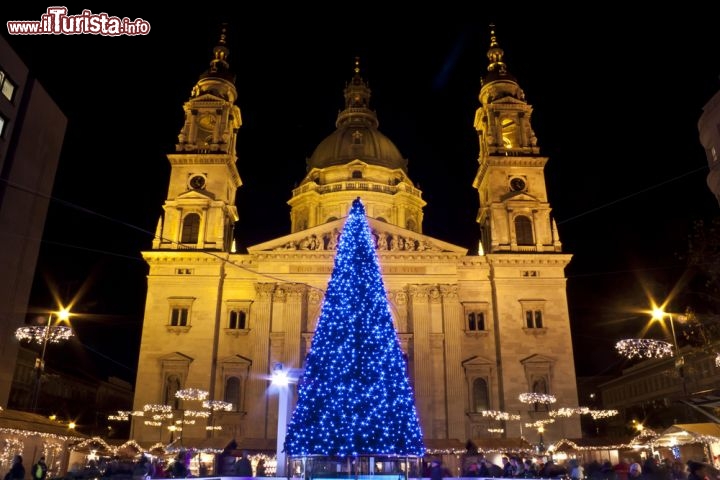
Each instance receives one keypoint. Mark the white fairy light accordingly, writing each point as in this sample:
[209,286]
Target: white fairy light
[644,348]
[533,397]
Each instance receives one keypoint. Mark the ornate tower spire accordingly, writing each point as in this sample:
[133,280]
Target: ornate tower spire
[356,158]
[357,102]
[219,66]
[200,208]
[510,178]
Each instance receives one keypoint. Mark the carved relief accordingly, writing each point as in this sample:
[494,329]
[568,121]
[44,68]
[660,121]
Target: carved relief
[264,290]
[434,294]
[449,292]
[383,242]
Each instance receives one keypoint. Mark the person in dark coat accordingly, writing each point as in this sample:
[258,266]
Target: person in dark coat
[17,470]
[243,467]
[436,472]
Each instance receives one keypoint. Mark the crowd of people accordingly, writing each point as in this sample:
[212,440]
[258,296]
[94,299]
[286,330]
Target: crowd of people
[625,469]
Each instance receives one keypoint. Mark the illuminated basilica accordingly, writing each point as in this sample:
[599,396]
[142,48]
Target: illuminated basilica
[479,328]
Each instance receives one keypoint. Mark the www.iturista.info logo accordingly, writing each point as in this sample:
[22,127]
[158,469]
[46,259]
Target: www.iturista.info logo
[56,21]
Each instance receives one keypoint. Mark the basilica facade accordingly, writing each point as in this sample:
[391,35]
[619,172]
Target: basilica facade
[479,329]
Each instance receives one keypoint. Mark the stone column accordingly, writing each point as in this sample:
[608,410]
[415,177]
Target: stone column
[453,322]
[259,322]
[294,300]
[424,384]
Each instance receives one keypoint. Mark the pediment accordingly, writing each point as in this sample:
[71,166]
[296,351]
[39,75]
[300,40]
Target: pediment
[176,357]
[518,197]
[207,98]
[196,194]
[236,359]
[477,360]
[388,239]
[509,99]
[537,359]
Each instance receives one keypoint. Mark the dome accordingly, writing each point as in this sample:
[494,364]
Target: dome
[362,142]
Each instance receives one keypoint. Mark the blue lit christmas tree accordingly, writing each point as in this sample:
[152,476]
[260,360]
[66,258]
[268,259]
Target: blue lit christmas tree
[355,397]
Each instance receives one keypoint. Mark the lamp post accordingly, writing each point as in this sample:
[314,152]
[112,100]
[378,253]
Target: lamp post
[281,380]
[660,314]
[43,335]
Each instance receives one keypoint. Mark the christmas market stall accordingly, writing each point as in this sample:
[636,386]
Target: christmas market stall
[32,436]
[690,441]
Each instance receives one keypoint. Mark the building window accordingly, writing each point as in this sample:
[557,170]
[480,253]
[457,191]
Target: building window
[357,174]
[7,87]
[238,320]
[179,317]
[232,392]
[533,316]
[476,321]
[191,228]
[533,319]
[523,230]
[3,124]
[480,395]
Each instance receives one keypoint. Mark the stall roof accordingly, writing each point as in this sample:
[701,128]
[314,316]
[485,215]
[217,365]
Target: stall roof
[682,433]
[32,422]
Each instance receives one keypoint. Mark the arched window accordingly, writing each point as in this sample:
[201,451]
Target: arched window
[356,174]
[411,225]
[232,392]
[480,395]
[191,228]
[523,230]
[172,385]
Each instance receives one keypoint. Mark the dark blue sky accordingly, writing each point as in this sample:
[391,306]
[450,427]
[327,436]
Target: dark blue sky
[616,102]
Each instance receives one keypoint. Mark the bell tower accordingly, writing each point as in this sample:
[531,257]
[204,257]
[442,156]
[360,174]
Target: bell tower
[514,214]
[200,207]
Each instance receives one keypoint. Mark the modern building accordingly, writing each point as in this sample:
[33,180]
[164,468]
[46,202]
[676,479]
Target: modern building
[71,394]
[660,392]
[479,328]
[32,130]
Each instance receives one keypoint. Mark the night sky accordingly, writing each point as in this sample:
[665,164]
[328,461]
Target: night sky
[616,102]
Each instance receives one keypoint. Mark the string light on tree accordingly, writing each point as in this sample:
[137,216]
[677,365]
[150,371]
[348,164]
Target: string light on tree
[644,348]
[355,397]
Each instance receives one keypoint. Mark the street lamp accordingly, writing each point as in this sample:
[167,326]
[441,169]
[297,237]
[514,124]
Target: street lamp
[43,335]
[660,314]
[281,380]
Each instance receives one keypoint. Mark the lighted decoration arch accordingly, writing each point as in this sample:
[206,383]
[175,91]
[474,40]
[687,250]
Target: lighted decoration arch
[192,394]
[566,412]
[498,415]
[534,397]
[598,414]
[39,334]
[644,348]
